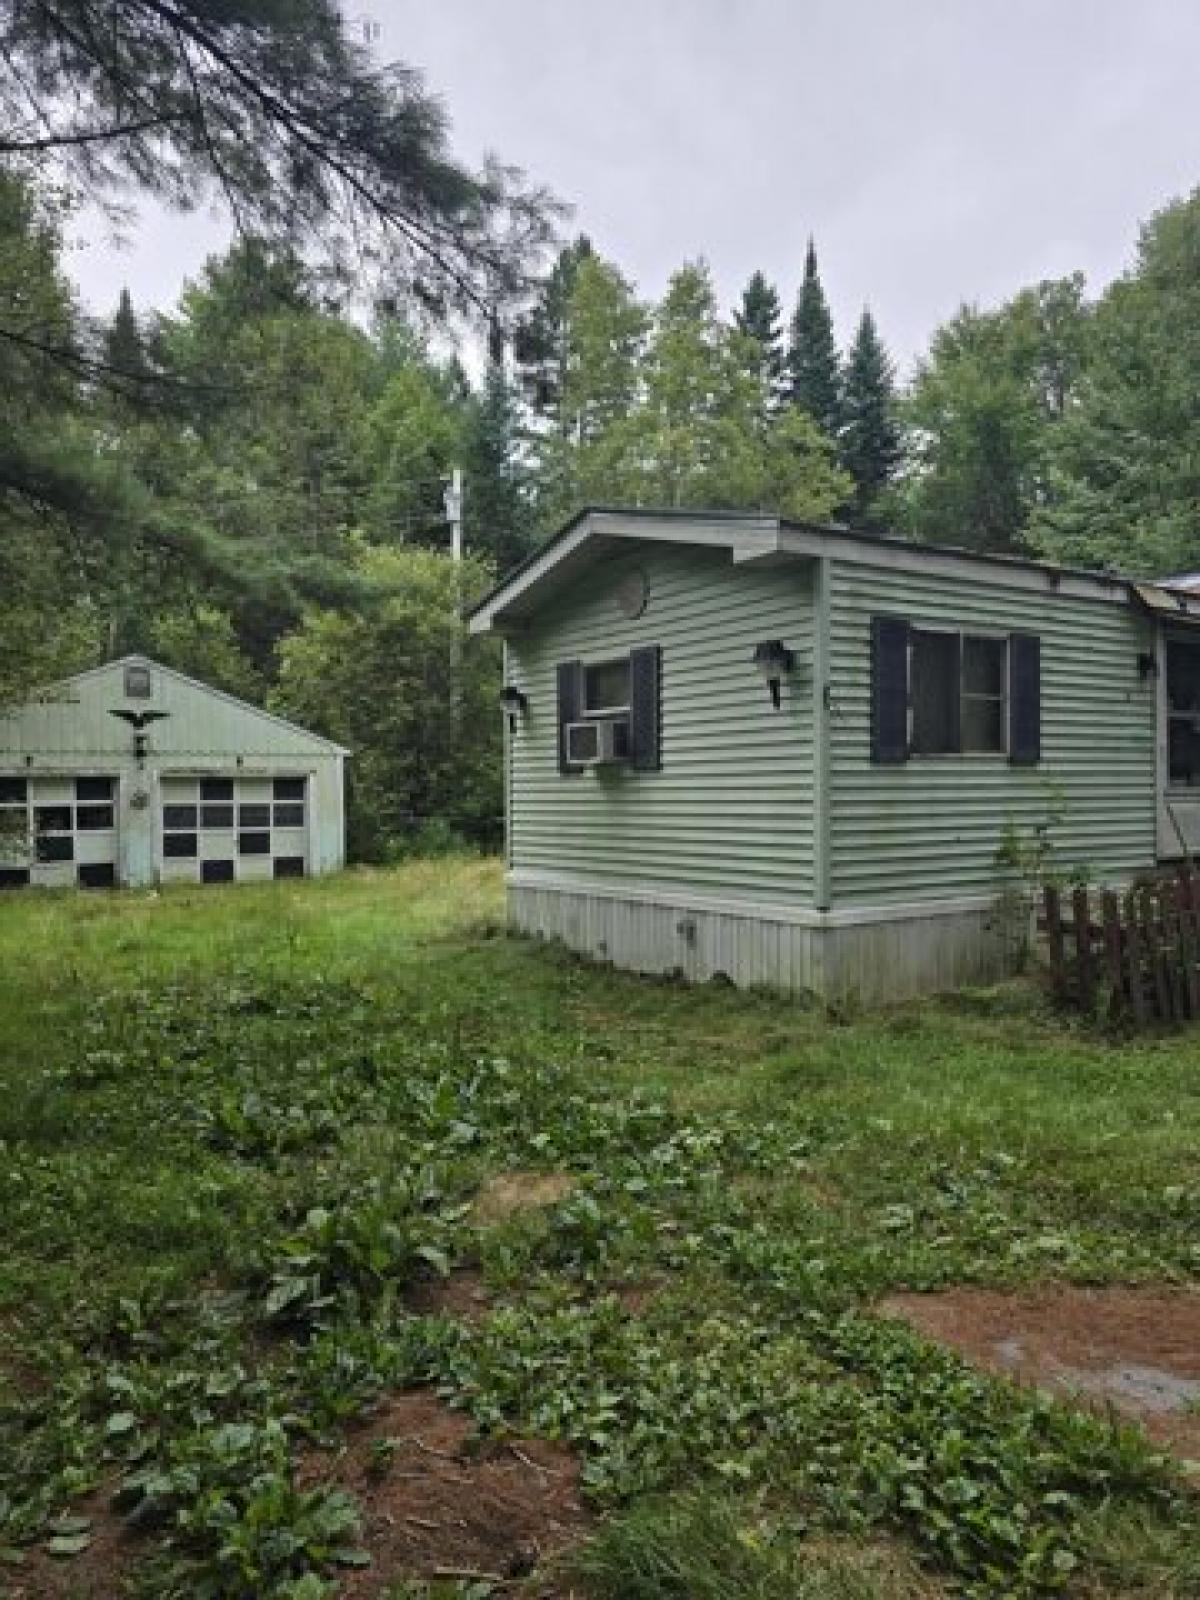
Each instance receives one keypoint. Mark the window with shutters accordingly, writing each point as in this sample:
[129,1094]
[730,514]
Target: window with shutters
[624,692]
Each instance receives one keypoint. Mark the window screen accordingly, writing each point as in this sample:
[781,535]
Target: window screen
[289,788]
[289,815]
[984,670]
[254,844]
[179,816]
[216,872]
[55,847]
[14,877]
[97,875]
[254,816]
[93,788]
[289,866]
[13,791]
[179,846]
[218,816]
[137,683]
[216,788]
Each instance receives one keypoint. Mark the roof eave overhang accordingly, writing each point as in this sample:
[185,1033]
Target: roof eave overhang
[597,534]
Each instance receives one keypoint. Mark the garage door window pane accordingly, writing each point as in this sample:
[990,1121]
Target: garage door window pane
[254,844]
[289,815]
[93,788]
[216,872]
[216,788]
[254,816]
[12,791]
[289,866]
[90,818]
[216,816]
[179,845]
[55,847]
[179,816]
[289,788]
[97,875]
[53,819]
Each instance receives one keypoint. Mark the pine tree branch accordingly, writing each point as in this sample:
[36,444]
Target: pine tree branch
[66,140]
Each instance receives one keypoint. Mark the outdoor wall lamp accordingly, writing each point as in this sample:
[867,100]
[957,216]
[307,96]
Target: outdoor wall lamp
[514,703]
[774,661]
[1147,663]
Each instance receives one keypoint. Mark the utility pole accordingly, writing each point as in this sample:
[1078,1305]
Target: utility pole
[453,502]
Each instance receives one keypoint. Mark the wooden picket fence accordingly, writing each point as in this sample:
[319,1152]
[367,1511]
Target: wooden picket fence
[1136,954]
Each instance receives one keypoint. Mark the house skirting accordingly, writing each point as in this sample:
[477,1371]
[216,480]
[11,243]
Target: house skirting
[865,953]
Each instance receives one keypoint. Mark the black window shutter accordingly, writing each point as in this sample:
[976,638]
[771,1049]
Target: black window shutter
[570,701]
[645,698]
[889,691]
[1024,699]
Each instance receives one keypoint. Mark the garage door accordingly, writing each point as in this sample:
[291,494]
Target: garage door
[221,829]
[72,822]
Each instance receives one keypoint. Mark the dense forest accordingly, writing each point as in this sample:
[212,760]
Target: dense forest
[249,484]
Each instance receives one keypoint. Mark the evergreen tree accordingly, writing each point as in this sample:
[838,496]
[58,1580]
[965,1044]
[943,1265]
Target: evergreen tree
[496,513]
[759,318]
[542,340]
[126,357]
[870,442]
[814,374]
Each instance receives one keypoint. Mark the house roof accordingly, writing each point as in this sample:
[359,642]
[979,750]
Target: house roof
[208,689]
[600,530]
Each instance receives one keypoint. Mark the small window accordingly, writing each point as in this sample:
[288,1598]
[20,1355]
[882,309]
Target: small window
[289,866]
[216,816]
[93,788]
[13,791]
[97,875]
[254,844]
[216,872]
[254,816]
[93,819]
[179,816]
[52,819]
[14,877]
[289,815]
[216,788]
[137,683]
[984,668]
[606,687]
[55,847]
[289,788]
[179,846]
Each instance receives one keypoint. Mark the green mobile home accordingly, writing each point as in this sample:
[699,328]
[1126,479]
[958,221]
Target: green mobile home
[791,755]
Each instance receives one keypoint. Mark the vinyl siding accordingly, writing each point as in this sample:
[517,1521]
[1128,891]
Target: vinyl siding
[929,829]
[731,809]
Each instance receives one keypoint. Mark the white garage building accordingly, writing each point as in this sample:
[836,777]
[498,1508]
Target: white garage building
[133,774]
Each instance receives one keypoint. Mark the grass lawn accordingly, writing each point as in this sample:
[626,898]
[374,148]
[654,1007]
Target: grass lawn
[246,1132]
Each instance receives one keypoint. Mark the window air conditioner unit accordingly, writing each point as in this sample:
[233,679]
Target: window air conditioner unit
[598,742]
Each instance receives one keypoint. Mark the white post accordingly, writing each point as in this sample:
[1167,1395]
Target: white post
[454,510]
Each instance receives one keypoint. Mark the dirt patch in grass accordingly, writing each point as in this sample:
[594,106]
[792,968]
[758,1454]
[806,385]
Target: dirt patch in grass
[98,1572]
[510,1193]
[434,1504]
[1137,1350]
[461,1294]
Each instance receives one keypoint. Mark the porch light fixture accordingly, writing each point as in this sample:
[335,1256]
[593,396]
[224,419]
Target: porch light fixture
[514,703]
[775,662]
[1147,665]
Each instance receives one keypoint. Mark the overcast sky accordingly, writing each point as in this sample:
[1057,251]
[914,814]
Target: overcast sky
[938,150]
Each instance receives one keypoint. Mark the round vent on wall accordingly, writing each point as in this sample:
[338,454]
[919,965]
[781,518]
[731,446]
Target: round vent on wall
[632,594]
